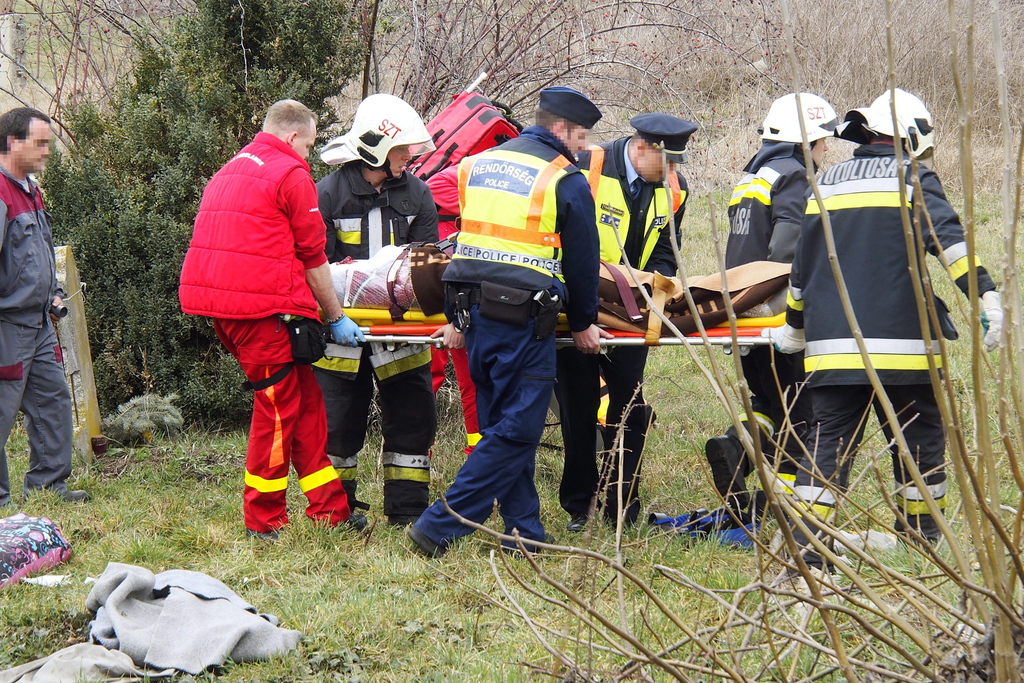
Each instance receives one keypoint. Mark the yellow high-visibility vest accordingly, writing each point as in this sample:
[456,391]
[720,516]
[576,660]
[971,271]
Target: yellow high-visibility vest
[508,209]
[613,210]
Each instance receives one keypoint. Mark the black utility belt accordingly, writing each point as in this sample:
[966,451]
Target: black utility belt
[509,305]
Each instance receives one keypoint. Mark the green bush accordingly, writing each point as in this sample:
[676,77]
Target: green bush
[126,193]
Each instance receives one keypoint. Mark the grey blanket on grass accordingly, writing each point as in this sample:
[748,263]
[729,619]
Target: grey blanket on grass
[180,620]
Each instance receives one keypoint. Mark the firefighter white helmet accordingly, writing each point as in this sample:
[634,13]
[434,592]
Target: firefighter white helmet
[782,124]
[913,122]
[382,122]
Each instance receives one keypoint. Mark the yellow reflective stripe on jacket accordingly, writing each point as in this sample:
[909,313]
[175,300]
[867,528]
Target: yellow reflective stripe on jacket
[857,200]
[349,230]
[265,485]
[885,354]
[341,359]
[387,364]
[317,479]
[473,438]
[755,188]
[508,205]
[961,266]
[854,361]
[613,210]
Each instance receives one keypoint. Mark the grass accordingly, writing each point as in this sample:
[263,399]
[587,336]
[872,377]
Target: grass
[369,608]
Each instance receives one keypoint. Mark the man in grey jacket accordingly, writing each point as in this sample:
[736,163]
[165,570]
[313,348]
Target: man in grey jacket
[31,374]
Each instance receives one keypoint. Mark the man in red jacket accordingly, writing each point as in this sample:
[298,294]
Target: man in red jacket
[257,260]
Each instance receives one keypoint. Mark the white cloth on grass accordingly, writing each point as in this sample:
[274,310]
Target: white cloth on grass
[82,663]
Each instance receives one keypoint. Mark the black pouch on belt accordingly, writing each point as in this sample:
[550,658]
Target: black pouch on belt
[307,338]
[505,304]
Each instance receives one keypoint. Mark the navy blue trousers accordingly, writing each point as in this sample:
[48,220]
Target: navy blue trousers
[514,375]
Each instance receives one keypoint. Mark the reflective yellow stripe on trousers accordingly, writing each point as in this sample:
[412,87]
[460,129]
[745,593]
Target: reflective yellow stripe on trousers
[312,481]
[265,485]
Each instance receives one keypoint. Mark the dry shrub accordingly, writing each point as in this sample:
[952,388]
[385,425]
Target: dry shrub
[719,63]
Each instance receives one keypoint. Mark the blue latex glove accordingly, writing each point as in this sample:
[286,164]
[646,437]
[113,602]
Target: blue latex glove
[346,332]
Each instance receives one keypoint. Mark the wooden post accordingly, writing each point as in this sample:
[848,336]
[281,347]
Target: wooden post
[73,335]
[12,47]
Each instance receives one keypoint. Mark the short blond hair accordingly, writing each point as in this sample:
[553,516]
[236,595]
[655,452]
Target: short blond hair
[287,116]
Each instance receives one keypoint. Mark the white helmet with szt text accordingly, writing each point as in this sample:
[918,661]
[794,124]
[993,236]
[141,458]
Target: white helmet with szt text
[782,124]
[382,122]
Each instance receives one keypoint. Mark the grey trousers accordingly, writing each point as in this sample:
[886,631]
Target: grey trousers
[32,380]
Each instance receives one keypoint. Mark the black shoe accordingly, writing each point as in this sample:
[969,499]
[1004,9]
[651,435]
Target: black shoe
[725,455]
[402,520]
[356,521]
[74,496]
[423,544]
[268,536]
[578,523]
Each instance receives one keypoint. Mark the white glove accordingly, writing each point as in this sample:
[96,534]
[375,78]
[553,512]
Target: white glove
[991,318]
[785,339]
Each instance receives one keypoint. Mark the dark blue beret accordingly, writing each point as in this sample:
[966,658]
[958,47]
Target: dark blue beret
[570,104]
[671,133]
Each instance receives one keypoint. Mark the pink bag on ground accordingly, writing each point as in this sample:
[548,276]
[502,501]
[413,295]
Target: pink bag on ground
[29,545]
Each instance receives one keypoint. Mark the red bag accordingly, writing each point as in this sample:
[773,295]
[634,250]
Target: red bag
[469,125]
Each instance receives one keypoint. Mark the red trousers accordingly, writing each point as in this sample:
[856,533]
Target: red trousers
[289,425]
[467,390]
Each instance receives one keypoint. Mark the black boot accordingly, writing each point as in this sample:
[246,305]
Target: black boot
[728,461]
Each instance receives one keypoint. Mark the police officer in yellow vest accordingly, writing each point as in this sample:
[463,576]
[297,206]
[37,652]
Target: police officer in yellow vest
[528,245]
[638,195]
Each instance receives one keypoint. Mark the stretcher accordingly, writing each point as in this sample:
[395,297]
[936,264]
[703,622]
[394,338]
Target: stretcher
[377,325]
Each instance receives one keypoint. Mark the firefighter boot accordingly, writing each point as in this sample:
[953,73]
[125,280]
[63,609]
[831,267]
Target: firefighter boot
[350,486]
[728,462]
[919,525]
[346,469]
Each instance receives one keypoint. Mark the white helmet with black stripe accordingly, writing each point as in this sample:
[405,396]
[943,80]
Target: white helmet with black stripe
[913,122]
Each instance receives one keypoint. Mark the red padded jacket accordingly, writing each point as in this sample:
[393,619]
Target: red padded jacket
[257,232]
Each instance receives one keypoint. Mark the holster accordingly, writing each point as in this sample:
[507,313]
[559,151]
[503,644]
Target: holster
[548,306]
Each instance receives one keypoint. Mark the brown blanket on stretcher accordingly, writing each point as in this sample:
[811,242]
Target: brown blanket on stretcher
[748,286]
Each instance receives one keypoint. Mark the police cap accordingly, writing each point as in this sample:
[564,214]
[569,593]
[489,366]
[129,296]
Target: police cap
[669,132]
[570,104]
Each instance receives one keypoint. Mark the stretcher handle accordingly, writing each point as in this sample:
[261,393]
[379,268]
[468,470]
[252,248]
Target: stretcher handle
[627,339]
